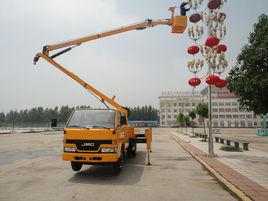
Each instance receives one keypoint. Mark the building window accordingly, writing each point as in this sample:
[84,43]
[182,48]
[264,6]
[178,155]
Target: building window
[229,116]
[221,116]
[163,110]
[163,117]
[175,116]
[181,110]
[215,124]
[241,109]
[242,116]
[193,104]
[163,123]
[234,109]
[227,104]
[168,105]
[221,123]
[175,104]
[215,116]
[215,110]
[236,124]
[228,110]
[255,123]
[250,124]
[175,110]
[169,116]
[249,116]
[221,104]
[235,116]
[221,109]
[234,103]
[243,124]
[180,104]
[187,104]
[214,104]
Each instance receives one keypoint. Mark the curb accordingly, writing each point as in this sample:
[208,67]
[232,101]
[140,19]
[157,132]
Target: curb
[240,194]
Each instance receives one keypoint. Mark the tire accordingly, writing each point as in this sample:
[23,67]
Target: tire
[119,164]
[131,152]
[76,166]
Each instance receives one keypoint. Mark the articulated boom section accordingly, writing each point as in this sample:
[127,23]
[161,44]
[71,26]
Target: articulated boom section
[84,84]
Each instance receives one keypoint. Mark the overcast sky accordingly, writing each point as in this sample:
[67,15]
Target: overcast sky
[135,66]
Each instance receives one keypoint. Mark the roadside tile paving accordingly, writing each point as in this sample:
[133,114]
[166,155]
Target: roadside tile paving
[247,170]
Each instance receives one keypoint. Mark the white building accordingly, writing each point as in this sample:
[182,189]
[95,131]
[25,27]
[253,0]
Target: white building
[226,111]
[225,108]
[174,103]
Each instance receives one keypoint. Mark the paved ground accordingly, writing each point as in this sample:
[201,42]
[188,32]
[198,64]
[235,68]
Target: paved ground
[248,134]
[31,169]
[250,166]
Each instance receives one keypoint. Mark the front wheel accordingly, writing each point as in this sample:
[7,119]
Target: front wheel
[76,166]
[118,165]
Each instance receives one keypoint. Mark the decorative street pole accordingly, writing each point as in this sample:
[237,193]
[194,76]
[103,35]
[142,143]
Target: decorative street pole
[213,53]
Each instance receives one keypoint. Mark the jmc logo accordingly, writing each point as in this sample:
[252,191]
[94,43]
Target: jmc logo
[88,144]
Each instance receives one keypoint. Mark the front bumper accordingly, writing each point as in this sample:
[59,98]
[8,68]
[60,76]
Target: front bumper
[90,157]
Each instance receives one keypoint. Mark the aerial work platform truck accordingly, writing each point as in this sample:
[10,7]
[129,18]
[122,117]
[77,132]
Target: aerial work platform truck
[103,136]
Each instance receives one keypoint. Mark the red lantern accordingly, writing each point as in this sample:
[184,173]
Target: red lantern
[221,48]
[212,79]
[212,41]
[196,17]
[194,81]
[221,83]
[193,49]
[214,4]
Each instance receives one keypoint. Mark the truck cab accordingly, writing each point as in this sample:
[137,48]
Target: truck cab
[97,136]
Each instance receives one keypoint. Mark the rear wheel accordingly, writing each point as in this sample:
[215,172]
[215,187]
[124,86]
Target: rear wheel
[76,166]
[131,151]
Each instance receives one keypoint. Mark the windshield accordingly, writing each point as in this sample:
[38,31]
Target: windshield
[92,119]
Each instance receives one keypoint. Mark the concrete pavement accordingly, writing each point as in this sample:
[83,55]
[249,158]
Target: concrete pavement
[36,175]
[252,165]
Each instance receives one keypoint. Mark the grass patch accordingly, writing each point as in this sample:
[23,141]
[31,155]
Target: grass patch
[230,148]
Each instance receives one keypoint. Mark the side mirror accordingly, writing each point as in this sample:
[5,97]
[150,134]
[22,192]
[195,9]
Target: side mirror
[54,123]
[123,120]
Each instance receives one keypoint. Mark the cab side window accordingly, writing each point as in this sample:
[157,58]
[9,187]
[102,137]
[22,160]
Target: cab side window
[118,119]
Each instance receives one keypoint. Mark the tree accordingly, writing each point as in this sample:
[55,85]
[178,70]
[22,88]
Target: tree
[249,77]
[145,113]
[192,115]
[2,117]
[186,120]
[202,111]
[180,119]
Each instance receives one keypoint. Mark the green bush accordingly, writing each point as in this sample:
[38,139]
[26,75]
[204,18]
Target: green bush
[230,148]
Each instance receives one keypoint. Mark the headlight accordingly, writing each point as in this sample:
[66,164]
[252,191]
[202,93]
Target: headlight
[108,150]
[69,149]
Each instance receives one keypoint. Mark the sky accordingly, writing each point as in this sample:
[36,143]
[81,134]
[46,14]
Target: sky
[135,66]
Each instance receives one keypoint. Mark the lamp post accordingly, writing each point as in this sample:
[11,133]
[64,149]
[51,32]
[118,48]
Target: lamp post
[212,52]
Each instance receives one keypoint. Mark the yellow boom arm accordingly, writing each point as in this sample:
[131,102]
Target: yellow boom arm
[178,24]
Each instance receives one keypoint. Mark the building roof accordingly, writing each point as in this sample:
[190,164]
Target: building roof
[215,90]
